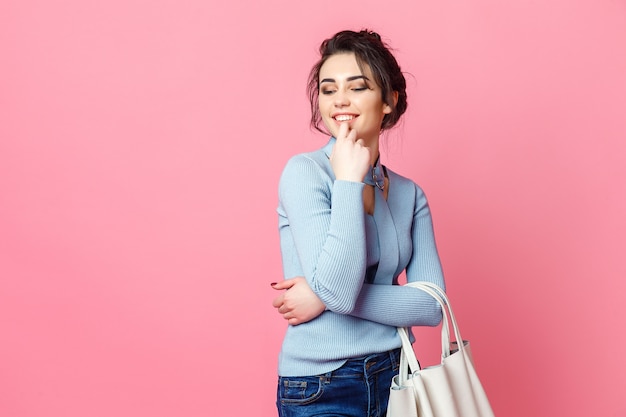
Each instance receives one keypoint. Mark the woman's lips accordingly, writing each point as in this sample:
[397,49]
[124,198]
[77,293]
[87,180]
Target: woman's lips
[344,117]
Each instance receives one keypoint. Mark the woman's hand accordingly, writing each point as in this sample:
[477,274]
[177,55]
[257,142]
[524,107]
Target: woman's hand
[299,303]
[350,158]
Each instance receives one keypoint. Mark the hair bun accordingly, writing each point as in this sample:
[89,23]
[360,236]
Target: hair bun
[371,33]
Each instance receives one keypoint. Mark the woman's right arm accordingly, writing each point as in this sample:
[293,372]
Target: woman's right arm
[322,232]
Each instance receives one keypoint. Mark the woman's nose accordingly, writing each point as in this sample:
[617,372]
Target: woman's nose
[341,99]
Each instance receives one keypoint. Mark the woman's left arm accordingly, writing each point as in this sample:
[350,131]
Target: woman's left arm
[403,306]
[298,303]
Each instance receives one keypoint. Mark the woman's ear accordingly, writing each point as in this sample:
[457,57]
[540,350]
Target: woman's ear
[388,108]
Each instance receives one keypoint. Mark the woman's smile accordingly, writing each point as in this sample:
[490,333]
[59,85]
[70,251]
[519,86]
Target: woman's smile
[344,117]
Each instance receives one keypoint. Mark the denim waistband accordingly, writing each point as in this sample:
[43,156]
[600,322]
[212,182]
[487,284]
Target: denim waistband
[368,365]
[393,355]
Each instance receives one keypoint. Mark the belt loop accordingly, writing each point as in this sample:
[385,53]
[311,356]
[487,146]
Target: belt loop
[394,356]
[326,377]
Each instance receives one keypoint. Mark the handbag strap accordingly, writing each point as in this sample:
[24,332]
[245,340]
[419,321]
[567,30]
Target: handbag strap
[408,358]
[448,315]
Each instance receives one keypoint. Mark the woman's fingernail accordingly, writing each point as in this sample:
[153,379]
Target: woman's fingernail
[273,283]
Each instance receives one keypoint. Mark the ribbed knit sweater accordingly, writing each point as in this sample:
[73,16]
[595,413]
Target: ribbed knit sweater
[352,261]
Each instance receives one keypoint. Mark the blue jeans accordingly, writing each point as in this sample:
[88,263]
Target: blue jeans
[360,388]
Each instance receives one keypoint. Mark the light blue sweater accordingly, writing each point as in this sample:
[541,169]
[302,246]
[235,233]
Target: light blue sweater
[352,261]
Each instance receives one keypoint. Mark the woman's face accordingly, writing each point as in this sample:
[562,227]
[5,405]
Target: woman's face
[349,95]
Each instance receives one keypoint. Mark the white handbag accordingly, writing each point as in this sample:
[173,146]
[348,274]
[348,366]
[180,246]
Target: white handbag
[450,389]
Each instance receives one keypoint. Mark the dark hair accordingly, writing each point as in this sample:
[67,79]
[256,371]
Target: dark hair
[369,49]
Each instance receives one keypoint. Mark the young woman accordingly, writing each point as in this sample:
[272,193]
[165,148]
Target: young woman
[349,226]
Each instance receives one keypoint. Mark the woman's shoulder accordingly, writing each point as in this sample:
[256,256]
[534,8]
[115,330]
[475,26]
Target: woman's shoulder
[400,180]
[407,186]
[308,162]
[318,157]
[307,168]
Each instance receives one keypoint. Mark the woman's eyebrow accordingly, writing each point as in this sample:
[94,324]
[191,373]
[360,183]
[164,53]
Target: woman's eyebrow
[352,78]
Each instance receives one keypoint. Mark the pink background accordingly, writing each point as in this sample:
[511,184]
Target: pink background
[140,148]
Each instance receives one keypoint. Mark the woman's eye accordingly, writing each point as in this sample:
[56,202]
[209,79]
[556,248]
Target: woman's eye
[359,88]
[327,92]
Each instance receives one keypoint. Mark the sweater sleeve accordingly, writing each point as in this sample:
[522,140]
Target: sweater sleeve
[402,306]
[320,229]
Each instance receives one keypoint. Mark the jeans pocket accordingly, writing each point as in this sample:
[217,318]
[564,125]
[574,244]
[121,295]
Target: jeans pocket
[300,390]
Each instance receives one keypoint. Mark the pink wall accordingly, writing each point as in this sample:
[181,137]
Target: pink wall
[140,148]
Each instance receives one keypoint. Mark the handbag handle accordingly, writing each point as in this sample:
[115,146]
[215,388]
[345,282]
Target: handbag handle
[448,315]
[408,355]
